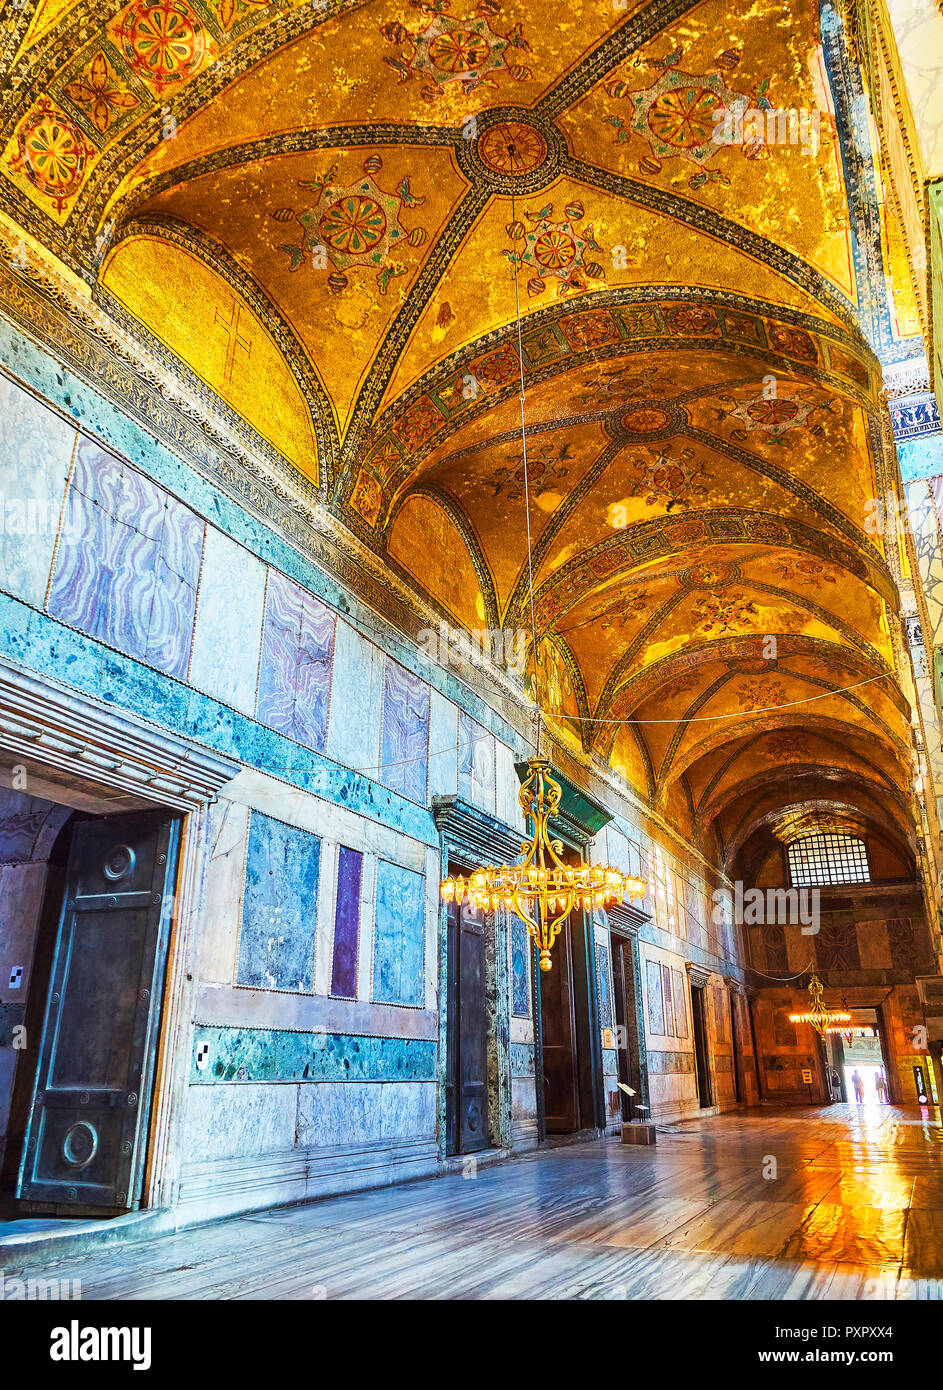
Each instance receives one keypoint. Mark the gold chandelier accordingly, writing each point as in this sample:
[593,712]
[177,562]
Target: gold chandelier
[818,1016]
[542,890]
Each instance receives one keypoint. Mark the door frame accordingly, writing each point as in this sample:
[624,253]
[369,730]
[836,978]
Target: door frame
[78,752]
[628,990]
[469,836]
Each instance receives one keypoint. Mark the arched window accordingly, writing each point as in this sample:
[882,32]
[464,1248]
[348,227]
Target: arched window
[825,858]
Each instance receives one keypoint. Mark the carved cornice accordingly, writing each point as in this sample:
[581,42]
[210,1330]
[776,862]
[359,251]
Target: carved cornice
[472,836]
[43,723]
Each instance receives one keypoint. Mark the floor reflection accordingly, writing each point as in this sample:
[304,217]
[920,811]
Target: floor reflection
[842,1202]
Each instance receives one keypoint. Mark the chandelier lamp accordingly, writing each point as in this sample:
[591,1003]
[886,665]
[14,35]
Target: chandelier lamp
[818,1016]
[542,890]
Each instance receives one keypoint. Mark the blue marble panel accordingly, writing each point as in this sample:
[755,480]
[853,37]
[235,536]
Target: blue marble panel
[128,562]
[475,762]
[656,1011]
[295,672]
[610,1061]
[521,952]
[405,732]
[604,986]
[270,1054]
[228,633]
[522,1059]
[35,457]
[279,909]
[354,731]
[399,935]
[920,458]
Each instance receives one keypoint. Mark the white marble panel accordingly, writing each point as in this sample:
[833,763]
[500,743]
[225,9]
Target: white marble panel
[227,637]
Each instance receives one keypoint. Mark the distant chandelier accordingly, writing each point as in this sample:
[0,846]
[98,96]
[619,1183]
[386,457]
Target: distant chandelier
[542,890]
[820,1018]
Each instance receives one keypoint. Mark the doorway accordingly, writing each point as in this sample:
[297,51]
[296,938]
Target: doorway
[558,1027]
[702,1072]
[80,1091]
[466,1085]
[634,1107]
[735,1046]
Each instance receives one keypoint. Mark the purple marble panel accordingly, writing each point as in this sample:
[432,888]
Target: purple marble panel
[346,923]
[405,732]
[297,657]
[128,563]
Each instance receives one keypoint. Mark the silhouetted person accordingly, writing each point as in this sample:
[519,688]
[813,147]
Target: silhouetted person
[880,1085]
[858,1084]
[834,1081]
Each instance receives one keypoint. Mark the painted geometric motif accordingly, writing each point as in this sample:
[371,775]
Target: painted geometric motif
[669,481]
[352,226]
[279,908]
[163,42]
[52,153]
[405,732]
[683,115]
[128,564]
[836,948]
[774,412]
[900,939]
[725,613]
[99,92]
[450,49]
[399,935]
[520,969]
[297,654]
[556,250]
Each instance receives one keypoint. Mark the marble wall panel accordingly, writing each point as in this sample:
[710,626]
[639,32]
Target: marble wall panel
[276,947]
[443,742]
[233,1121]
[35,457]
[405,741]
[399,935]
[521,951]
[344,958]
[241,1054]
[228,833]
[128,563]
[476,763]
[354,729]
[228,632]
[351,1112]
[295,670]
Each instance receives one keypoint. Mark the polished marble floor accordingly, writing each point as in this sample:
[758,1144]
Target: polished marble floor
[838,1203]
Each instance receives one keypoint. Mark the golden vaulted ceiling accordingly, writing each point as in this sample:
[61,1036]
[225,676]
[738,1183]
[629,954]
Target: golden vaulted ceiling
[320,208]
